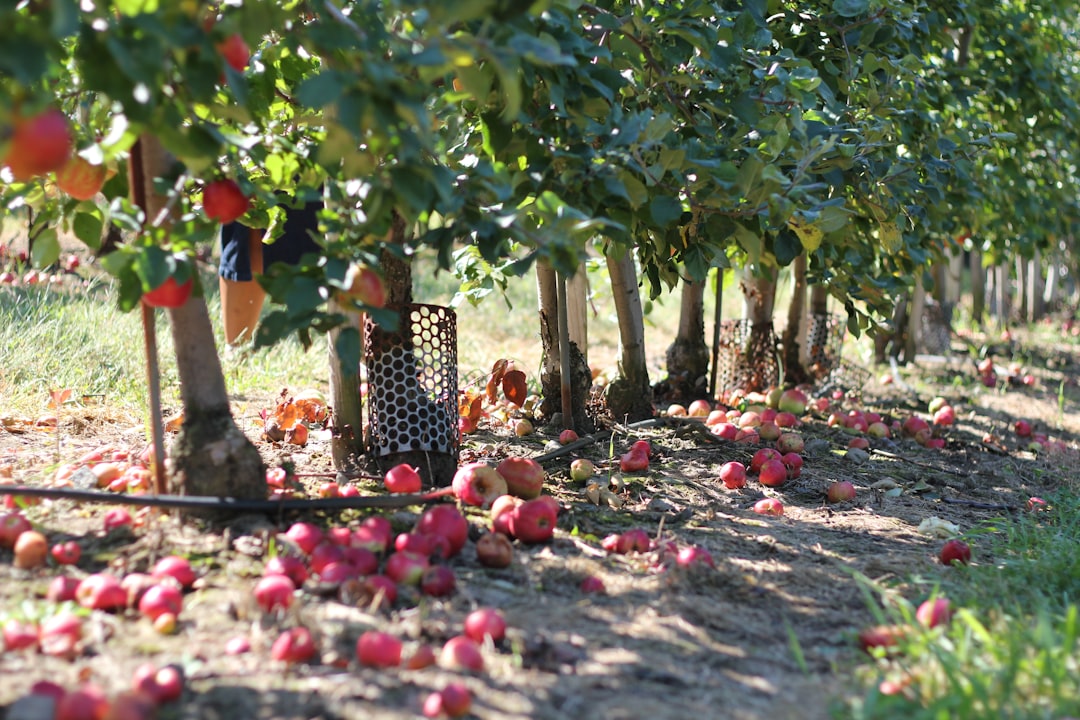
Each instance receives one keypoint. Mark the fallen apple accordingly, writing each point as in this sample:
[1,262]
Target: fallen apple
[485,622]
[934,612]
[533,521]
[582,469]
[841,491]
[462,653]
[274,592]
[769,506]
[477,484]
[295,645]
[955,551]
[378,649]
[494,550]
[447,526]
[403,478]
[733,475]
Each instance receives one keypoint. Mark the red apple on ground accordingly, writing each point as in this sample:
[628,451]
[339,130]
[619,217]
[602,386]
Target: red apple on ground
[773,473]
[592,584]
[699,408]
[633,461]
[524,476]
[725,431]
[163,685]
[117,518]
[790,443]
[462,653]
[19,635]
[1022,428]
[882,636]
[86,703]
[761,457]
[501,510]
[60,634]
[175,567]
[733,475]
[567,436]
[533,522]
[676,410]
[456,700]
[447,525]
[485,622]
[769,506]
[406,568]
[642,446]
[839,492]
[295,645]
[422,657]
[161,599]
[792,401]
[61,589]
[932,613]
[12,525]
[478,484]
[101,591]
[955,551]
[378,649]
[794,464]
[913,425]
[403,478]
[694,556]
[289,566]
[274,592]
[305,536]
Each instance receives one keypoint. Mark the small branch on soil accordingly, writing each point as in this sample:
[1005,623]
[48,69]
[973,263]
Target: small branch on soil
[980,505]
[927,466]
[227,504]
[599,437]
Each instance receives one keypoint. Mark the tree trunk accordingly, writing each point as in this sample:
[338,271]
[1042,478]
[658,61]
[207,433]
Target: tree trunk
[1035,288]
[978,286]
[550,364]
[913,341]
[1021,287]
[211,456]
[757,371]
[577,309]
[688,356]
[347,440]
[1001,294]
[794,372]
[629,397]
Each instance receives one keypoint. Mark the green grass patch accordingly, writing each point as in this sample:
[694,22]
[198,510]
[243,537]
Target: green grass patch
[1011,650]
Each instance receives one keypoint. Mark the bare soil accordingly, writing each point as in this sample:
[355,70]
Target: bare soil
[768,633]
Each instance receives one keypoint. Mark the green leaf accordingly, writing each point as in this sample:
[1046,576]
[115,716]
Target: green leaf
[786,247]
[348,348]
[46,248]
[750,241]
[850,8]
[87,227]
[136,7]
[321,90]
[665,210]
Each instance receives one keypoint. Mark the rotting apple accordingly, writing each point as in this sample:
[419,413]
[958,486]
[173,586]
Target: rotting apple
[582,469]
[524,476]
[477,484]
[494,550]
[790,442]
[794,464]
[438,581]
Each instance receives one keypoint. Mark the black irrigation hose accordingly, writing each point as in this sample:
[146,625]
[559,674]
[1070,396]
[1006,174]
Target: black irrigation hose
[226,504]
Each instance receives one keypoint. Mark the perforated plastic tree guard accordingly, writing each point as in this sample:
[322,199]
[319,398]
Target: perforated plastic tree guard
[411,405]
[745,361]
[824,338]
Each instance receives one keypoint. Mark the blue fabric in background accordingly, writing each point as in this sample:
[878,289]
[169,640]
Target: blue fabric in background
[295,240]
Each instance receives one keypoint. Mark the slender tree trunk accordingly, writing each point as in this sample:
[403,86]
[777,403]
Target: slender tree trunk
[577,309]
[211,456]
[347,441]
[1021,287]
[978,287]
[688,356]
[1001,293]
[794,372]
[1053,279]
[914,323]
[1035,288]
[629,397]
[550,360]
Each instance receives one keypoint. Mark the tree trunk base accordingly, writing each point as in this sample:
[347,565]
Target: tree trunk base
[580,385]
[628,401]
[688,369]
[211,456]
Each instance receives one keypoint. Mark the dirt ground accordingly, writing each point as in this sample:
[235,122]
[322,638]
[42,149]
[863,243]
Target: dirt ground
[767,634]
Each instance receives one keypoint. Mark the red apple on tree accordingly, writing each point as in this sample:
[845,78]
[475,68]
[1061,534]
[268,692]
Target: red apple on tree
[224,201]
[81,180]
[39,144]
[234,49]
[365,285]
